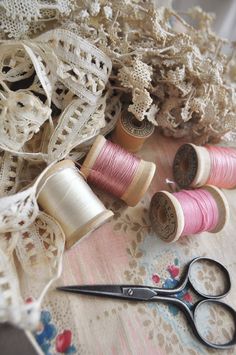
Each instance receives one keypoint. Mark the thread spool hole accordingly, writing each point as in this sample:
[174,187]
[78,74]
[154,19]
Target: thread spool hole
[185,164]
[136,123]
[162,216]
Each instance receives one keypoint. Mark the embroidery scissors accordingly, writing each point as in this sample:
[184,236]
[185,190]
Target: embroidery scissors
[154,294]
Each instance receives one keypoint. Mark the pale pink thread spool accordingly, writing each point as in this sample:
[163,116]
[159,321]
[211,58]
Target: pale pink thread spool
[114,170]
[196,166]
[188,212]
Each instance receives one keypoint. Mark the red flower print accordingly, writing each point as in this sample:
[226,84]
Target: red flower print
[63,341]
[155,278]
[29,300]
[173,270]
[187,297]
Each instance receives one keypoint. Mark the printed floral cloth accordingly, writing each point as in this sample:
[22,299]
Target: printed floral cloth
[126,250]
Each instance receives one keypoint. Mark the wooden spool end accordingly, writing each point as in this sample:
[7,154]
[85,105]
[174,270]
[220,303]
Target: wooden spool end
[88,228]
[72,235]
[222,204]
[166,216]
[191,167]
[131,133]
[92,155]
[67,163]
[140,183]
[49,173]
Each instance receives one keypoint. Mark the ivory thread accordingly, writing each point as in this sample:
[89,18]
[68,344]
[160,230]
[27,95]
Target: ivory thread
[68,198]
[116,171]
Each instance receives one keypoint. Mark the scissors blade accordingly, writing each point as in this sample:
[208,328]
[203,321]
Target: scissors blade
[94,290]
[130,292]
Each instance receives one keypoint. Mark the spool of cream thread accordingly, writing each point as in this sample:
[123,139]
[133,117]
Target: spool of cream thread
[66,196]
[131,133]
[167,216]
[140,183]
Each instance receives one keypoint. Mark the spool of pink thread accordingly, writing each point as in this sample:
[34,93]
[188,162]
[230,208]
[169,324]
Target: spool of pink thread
[196,166]
[188,212]
[116,171]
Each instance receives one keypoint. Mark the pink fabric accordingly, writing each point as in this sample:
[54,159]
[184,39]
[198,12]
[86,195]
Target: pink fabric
[200,211]
[127,251]
[114,169]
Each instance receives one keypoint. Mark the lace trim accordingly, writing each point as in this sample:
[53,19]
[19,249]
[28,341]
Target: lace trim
[38,78]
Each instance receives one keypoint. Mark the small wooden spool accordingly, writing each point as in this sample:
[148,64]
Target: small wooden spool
[54,201]
[192,165]
[167,216]
[141,180]
[131,133]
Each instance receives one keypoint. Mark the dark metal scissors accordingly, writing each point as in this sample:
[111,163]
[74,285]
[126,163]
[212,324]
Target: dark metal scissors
[153,294]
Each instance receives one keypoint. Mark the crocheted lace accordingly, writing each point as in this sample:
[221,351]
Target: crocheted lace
[52,105]
[22,18]
[63,79]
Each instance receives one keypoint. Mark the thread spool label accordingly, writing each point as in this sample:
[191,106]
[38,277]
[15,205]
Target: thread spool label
[163,217]
[136,128]
[185,165]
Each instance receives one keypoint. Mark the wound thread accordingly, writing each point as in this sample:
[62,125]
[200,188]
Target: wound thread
[223,167]
[114,169]
[65,196]
[200,211]
[197,166]
[188,212]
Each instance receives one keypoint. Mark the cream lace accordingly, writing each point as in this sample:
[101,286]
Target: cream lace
[60,88]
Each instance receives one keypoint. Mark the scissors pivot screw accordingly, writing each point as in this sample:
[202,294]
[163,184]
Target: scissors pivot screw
[130,292]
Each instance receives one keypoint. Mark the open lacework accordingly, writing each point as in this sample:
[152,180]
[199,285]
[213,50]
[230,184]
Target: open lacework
[60,88]
[24,18]
[52,105]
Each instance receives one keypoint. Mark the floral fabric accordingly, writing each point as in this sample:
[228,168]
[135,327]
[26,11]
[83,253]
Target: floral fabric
[126,250]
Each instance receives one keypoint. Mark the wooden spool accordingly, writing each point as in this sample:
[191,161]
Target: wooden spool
[167,216]
[191,167]
[141,180]
[131,133]
[53,201]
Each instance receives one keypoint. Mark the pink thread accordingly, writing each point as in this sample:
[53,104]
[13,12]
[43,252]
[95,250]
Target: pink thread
[114,169]
[223,166]
[200,211]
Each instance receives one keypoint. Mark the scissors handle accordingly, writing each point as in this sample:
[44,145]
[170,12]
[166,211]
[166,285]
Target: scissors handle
[188,278]
[229,310]
[192,319]
[150,294]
